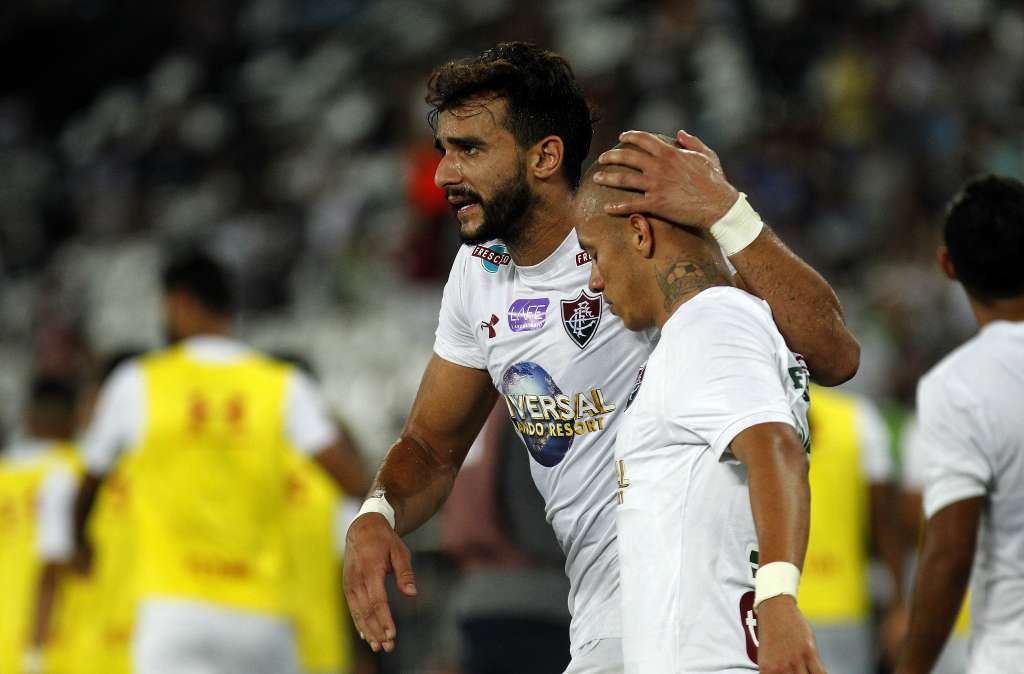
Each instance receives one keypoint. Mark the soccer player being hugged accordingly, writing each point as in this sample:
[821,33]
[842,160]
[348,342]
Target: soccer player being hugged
[713,503]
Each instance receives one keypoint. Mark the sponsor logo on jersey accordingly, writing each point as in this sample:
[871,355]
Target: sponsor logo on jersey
[748,623]
[548,419]
[582,258]
[492,257]
[580,317]
[636,385]
[489,326]
[526,315]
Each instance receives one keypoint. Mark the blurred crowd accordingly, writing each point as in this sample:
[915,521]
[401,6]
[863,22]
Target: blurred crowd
[289,138]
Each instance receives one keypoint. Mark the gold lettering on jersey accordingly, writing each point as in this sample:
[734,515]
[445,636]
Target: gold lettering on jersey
[620,466]
[559,407]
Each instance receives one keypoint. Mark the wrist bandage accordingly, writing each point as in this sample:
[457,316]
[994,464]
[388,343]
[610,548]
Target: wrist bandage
[740,225]
[775,579]
[376,503]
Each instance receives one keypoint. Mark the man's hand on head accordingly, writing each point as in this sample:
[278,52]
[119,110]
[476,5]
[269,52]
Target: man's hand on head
[682,183]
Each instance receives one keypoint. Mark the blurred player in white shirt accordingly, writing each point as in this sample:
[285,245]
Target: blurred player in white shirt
[971,441]
[713,499]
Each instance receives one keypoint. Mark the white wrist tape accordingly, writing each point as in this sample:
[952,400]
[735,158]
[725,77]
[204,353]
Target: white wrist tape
[740,225]
[378,504]
[775,579]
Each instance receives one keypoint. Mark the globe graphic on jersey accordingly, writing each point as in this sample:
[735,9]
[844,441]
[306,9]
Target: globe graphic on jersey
[531,379]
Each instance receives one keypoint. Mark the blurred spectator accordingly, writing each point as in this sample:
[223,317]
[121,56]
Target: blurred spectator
[854,497]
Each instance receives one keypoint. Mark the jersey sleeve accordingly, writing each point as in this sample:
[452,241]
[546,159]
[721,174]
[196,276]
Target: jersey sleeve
[309,426]
[55,540]
[455,339]
[876,454]
[726,375]
[951,443]
[117,420]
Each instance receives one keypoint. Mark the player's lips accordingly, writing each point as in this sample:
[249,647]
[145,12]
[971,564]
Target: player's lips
[462,205]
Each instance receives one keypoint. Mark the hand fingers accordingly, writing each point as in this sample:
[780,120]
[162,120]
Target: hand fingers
[401,562]
[380,628]
[638,182]
[636,159]
[691,142]
[815,666]
[645,141]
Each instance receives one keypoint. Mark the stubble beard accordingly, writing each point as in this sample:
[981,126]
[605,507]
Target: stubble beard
[505,214]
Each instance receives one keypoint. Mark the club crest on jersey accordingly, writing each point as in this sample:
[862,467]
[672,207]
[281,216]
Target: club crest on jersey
[492,257]
[580,317]
[526,315]
[636,385]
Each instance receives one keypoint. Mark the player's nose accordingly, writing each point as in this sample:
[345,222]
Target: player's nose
[447,173]
[596,280]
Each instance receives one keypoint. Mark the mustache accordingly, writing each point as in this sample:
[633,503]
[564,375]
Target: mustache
[465,192]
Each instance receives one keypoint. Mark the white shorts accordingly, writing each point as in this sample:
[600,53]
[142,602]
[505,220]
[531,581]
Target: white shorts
[601,656]
[186,637]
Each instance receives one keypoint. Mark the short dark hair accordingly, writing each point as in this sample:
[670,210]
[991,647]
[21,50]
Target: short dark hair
[54,391]
[984,232]
[202,278]
[543,97]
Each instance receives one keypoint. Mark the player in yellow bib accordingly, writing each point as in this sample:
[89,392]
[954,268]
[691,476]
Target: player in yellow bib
[37,481]
[854,501]
[210,427]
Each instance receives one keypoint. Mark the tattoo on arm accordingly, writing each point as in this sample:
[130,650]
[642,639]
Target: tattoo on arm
[682,276]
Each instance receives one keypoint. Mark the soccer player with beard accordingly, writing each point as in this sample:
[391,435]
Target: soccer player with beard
[517,319]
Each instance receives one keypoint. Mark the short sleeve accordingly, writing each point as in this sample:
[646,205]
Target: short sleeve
[308,422]
[55,534]
[455,339]
[118,419]
[876,454]
[725,373]
[950,443]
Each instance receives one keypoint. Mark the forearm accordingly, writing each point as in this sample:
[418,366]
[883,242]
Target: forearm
[45,599]
[416,478]
[804,307]
[950,538]
[780,500]
[941,582]
[84,501]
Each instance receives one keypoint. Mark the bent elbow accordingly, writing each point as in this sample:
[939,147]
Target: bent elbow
[843,363]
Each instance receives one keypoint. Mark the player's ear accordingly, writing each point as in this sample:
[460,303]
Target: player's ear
[641,235]
[545,157]
[946,263]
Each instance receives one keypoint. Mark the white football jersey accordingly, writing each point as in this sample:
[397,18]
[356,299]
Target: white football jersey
[687,544]
[564,367]
[970,443]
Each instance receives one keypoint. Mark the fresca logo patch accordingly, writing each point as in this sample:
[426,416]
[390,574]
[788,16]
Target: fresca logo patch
[526,315]
[548,419]
[492,257]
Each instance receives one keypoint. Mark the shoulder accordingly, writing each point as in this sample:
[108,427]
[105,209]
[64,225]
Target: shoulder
[126,377]
[720,315]
[948,378]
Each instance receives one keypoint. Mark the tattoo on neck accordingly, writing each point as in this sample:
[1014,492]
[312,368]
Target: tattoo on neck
[683,276]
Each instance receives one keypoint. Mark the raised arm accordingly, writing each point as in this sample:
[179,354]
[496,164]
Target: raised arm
[417,474]
[685,184]
[780,499]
